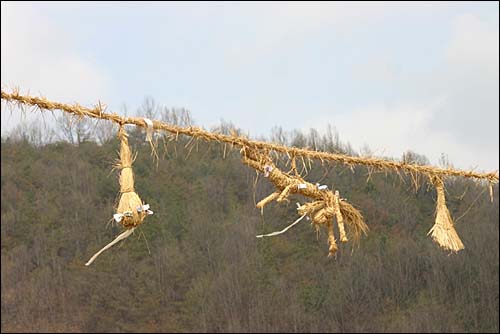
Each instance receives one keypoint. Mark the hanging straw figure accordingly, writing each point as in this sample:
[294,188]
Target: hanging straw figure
[131,211]
[443,231]
[321,211]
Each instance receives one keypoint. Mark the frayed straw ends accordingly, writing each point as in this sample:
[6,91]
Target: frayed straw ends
[443,232]
[354,220]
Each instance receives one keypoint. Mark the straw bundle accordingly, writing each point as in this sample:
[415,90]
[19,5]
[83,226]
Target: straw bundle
[340,220]
[130,204]
[443,231]
[356,225]
[131,211]
[326,206]
[332,249]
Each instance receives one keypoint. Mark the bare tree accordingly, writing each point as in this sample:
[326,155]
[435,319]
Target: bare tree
[177,116]
[105,131]
[298,139]
[148,108]
[411,157]
[331,138]
[313,139]
[444,161]
[74,129]
[278,135]
[226,128]
[33,132]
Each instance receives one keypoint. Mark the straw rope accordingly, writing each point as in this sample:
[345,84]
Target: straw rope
[195,132]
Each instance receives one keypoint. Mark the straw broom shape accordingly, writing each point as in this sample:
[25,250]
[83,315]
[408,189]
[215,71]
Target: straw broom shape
[131,211]
[326,206]
[443,231]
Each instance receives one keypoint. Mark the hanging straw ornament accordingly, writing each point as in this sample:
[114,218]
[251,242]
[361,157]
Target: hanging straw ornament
[131,211]
[325,207]
[443,231]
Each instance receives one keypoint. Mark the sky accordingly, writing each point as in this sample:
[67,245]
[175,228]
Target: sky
[389,76]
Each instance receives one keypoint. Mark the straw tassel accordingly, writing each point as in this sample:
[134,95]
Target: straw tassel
[131,211]
[331,240]
[338,215]
[443,231]
[129,200]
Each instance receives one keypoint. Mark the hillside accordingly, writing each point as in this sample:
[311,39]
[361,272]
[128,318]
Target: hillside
[195,265]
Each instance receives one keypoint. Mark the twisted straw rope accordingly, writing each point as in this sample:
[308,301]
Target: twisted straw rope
[196,132]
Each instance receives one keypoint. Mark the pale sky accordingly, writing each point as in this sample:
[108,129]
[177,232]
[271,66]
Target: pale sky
[396,77]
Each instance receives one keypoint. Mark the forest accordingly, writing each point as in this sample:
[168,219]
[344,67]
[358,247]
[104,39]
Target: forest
[196,264]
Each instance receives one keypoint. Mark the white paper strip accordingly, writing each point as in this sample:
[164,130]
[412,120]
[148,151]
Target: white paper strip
[282,231]
[118,217]
[149,130]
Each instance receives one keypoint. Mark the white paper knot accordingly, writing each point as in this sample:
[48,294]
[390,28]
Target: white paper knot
[118,217]
[144,207]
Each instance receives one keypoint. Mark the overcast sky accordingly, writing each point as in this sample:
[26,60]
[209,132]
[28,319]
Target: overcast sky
[396,77]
